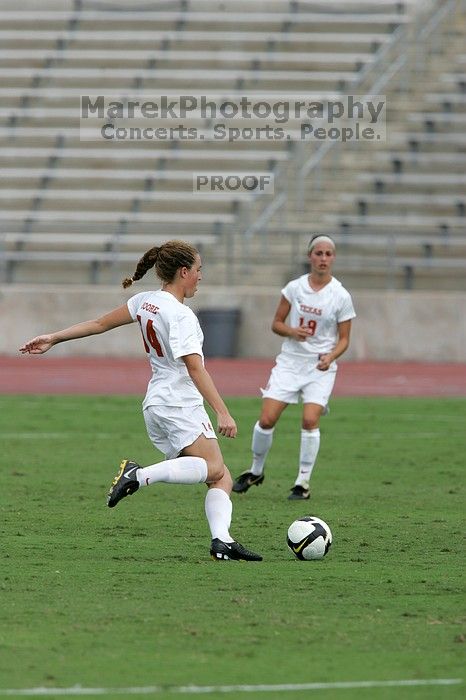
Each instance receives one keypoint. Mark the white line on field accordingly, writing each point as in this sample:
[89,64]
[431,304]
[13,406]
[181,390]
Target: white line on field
[199,689]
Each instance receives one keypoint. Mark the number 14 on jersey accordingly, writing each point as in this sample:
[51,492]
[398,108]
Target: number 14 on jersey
[149,337]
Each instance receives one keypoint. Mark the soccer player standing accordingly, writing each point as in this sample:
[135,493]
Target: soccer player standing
[314,316]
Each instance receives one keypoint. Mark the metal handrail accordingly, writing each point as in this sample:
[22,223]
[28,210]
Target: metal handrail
[382,80]
[420,30]
[267,213]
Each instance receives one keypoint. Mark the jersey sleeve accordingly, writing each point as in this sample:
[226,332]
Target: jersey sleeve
[346,310]
[289,291]
[134,303]
[184,336]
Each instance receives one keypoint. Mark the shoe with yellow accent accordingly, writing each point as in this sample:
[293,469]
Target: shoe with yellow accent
[124,484]
[223,551]
[246,480]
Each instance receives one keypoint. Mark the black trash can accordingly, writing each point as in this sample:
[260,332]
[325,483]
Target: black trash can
[220,328]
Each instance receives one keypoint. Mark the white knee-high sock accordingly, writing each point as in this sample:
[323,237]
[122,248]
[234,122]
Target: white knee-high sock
[310,443]
[218,510]
[182,470]
[261,443]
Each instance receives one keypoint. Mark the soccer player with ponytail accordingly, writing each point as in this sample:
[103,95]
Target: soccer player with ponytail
[176,420]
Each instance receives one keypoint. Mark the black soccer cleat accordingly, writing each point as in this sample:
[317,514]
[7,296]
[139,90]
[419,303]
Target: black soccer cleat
[299,493]
[124,484]
[246,480]
[224,551]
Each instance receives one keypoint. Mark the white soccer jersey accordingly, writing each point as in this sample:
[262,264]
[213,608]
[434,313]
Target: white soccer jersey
[170,330]
[319,311]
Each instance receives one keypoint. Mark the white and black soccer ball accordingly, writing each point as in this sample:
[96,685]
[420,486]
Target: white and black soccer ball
[309,538]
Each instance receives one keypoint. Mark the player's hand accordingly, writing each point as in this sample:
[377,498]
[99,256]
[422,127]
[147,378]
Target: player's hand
[324,362]
[226,425]
[37,345]
[300,334]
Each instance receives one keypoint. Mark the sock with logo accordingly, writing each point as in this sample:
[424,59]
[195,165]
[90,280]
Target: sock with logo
[218,510]
[310,443]
[182,470]
[261,443]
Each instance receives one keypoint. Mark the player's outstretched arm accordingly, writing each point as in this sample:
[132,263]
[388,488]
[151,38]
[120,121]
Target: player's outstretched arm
[42,343]
[38,345]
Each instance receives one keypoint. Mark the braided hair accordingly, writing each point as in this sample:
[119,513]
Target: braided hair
[167,259]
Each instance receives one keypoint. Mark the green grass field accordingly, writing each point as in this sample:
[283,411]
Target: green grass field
[129,597]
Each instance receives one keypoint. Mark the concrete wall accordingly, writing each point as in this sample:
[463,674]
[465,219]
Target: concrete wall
[390,325]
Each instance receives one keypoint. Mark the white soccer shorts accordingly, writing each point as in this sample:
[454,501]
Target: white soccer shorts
[295,378]
[172,428]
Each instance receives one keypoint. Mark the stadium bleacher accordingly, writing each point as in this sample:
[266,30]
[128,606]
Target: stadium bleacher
[410,194]
[60,194]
